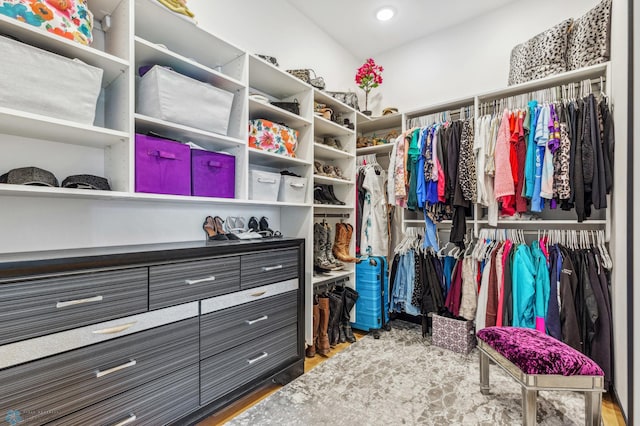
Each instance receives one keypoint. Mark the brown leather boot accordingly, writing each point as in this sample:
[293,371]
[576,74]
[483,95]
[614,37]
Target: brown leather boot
[311,350]
[323,347]
[342,242]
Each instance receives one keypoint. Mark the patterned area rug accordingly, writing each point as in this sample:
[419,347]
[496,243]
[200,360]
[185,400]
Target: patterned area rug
[402,379]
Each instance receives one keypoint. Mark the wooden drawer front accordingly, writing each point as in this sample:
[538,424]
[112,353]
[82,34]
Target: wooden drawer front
[155,403]
[231,327]
[62,384]
[43,306]
[268,267]
[225,372]
[188,281]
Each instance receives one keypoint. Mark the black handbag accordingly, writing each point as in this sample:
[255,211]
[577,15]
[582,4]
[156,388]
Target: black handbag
[293,107]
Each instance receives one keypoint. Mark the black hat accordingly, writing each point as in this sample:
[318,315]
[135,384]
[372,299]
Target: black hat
[86,182]
[29,176]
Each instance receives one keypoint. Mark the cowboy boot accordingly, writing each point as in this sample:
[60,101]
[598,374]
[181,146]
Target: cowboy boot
[311,350]
[323,338]
[335,305]
[327,249]
[320,261]
[349,300]
[341,244]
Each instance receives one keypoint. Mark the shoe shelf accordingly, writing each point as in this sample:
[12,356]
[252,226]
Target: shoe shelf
[333,275]
[269,159]
[331,102]
[36,126]
[377,149]
[148,53]
[113,66]
[325,128]
[331,181]
[203,138]
[325,152]
[273,81]
[276,114]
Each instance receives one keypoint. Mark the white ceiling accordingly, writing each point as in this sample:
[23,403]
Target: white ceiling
[354,25]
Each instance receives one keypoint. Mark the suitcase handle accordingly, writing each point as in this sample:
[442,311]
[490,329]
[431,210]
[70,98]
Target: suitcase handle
[163,154]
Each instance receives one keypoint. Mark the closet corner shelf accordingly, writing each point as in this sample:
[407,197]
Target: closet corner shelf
[324,127]
[331,102]
[377,149]
[25,124]
[325,152]
[330,180]
[145,124]
[550,81]
[113,66]
[373,124]
[331,207]
[273,113]
[273,81]
[269,159]
[330,276]
[158,24]
[147,53]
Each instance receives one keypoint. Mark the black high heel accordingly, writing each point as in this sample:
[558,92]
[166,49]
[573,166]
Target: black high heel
[218,221]
[210,229]
[268,232]
[253,226]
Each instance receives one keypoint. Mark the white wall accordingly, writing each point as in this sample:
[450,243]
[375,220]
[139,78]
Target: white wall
[470,58]
[282,31]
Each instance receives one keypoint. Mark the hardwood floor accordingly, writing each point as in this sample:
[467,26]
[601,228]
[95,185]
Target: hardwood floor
[611,413]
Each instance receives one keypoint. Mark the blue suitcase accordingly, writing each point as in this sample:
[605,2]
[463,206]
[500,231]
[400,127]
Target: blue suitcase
[372,306]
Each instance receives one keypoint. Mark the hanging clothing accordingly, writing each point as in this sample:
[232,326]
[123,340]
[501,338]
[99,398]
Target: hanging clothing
[374,240]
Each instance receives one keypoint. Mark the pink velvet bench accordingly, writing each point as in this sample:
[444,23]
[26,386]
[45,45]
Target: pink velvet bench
[540,362]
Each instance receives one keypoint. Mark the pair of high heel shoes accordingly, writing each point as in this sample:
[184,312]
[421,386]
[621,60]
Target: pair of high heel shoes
[234,229]
[213,227]
[323,194]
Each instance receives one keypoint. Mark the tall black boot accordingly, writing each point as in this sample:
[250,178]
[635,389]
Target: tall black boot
[349,300]
[335,315]
[340,292]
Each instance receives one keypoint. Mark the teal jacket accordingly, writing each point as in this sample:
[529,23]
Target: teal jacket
[523,288]
[543,286]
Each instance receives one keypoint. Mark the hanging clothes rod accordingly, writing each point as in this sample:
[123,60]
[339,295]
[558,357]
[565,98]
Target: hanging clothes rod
[463,112]
[325,286]
[342,215]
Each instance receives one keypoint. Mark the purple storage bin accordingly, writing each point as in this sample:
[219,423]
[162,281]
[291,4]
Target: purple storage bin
[162,166]
[213,174]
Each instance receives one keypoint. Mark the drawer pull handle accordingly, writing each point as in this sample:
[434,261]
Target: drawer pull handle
[258,358]
[203,280]
[116,329]
[114,369]
[78,302]
[261,293]
[132,418]
[262,318]
[271,268]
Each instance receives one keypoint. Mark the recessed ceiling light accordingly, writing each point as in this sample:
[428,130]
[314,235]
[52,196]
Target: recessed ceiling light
[385,13]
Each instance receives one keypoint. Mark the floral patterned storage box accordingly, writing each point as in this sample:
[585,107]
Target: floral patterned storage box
[272,137]
[71,19]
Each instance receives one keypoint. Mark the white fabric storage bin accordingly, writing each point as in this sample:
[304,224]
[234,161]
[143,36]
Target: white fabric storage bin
[264,186]
[292,189]
[168,95]
[40,82]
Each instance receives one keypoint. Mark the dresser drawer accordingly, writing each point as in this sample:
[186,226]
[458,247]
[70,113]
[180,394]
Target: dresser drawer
[155,403]
[31,308]
[268,267]
[225,372]
[64,383]
[188,281]
[231,327]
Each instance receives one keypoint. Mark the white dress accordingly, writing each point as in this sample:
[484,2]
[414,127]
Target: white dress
[374,238]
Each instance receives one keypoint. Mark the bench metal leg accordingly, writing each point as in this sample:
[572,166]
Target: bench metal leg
[593,408]
[529,406]
[484,373]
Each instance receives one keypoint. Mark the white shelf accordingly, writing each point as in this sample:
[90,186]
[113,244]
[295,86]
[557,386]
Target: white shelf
[331,102]
[324,128]
[330,181]
[440,107]
[157,24]
[113,66]
[25,124]
[185,133]
[276,114]
[325,152]
[148,53]
[543,222]
[332,207]
[269,159]
[273,81]
[278,203]
[377,149]
[373,124]
[330,276]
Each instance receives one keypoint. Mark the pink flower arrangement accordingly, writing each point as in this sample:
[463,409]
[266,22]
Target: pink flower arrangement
[369,76]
